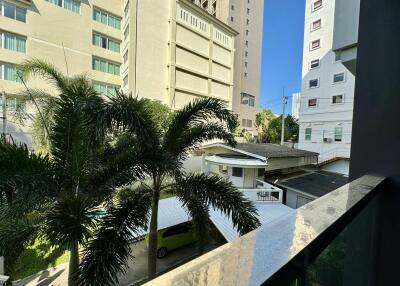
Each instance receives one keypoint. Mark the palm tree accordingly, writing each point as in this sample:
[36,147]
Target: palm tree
[56,196]
[163,152]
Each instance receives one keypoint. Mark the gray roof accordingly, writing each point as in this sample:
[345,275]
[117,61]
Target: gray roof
[273,151]
[317,183]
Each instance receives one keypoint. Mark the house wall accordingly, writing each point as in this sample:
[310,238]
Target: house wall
[295,199]
[285,163]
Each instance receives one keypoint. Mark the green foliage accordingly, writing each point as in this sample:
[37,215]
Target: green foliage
[160,153]
[39,256]
[55,196]
[275,128]
[263,120]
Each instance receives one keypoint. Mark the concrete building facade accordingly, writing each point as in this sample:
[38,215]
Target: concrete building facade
[171,51]
[326,103]
[246,17]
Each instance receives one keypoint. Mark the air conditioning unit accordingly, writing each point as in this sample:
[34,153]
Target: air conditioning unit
[327,140]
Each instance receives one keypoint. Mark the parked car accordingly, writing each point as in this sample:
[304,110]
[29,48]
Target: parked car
[174,237]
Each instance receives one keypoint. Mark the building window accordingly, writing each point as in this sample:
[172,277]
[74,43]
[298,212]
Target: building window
[106,89]
[308,134]
[15,105]
[248,11]
[13,42]
[245,65]
[315,44]
[312,102]
[231,19]
[260,172]
[339,77]
[9,72]
[12,11]
[71,5]
[338,134]
[314,64]
[316,5]
[106,18]
[314,83]
[247,22]
[337,99]
[316,25]
[247,32]
[106,43]
[233,7]
[246,54]
[105,66]
[237,172]
[247,43]
[245,74]
[247,99]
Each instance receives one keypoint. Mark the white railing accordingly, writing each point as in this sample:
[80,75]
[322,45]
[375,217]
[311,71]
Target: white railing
[334,153]
[264,193]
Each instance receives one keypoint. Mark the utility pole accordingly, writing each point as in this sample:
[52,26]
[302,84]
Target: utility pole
[4,112]
[284,102]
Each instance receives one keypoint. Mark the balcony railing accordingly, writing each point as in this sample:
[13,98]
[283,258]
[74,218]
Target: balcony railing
[279,252]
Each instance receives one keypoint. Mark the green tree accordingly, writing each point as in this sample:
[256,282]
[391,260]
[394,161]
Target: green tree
[56,196]
[163,153]
[263,120]
[275,129]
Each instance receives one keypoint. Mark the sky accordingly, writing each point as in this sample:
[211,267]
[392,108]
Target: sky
[282,52]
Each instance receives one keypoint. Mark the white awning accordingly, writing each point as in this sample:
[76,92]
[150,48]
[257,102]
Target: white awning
[171,212]
[237,162]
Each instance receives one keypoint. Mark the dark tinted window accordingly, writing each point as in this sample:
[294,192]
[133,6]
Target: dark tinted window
[237,172]
[21,15]
[9,10]
[178,229]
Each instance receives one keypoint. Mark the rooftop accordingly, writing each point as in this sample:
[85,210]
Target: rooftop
[266,150]
[318,183]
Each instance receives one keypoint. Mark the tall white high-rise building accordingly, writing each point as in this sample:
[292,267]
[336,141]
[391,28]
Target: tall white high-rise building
[326,103]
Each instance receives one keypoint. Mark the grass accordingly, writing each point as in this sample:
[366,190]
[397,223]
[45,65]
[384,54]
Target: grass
[37,257]
[165,195]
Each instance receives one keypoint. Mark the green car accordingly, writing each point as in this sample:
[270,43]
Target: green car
[174,237]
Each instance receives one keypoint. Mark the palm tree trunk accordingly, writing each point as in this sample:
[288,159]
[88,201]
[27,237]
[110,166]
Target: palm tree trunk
[152,258]
[73,263]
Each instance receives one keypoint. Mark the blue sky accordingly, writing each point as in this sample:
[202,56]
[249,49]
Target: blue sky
[282,51]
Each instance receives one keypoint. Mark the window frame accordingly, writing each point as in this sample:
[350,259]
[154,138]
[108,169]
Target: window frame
[316,48]
[307,135]
[311,99]
[237,169]
[337,134]
[312,29]
[337,103]
[311,64]
[338,82]
[313,87]
[313,9]
[108,16]
[16,10]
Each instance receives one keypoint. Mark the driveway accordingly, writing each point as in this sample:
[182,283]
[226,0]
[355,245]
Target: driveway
[137,267]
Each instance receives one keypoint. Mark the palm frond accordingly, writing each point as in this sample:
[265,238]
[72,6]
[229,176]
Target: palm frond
[106,256]
[198,111]
[22,174]
[72,219]
[44,69]
[220,194]
[200,215]
[196,135]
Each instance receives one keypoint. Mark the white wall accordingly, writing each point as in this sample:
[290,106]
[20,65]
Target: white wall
[296,200]
[341,167]
[325,116]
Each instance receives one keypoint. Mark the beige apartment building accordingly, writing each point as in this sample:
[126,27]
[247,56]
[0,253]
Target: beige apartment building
[246,17]
[169,50]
